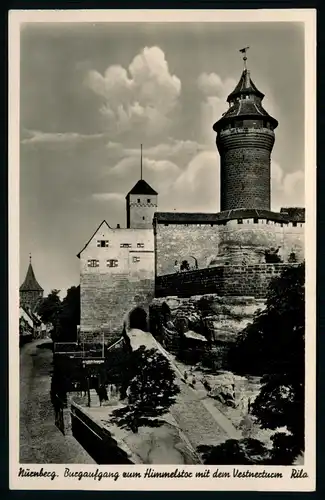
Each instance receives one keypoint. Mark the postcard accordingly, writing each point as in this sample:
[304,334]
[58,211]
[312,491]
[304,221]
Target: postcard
[162,187]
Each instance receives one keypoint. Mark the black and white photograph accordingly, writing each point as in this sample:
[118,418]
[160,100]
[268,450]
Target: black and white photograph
[162,280]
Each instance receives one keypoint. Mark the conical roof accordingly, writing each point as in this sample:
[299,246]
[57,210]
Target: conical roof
[142,187]
[30,284]
[245,86]
[245,102]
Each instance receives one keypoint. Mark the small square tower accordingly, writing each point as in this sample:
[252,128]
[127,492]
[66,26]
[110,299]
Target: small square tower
[141,204]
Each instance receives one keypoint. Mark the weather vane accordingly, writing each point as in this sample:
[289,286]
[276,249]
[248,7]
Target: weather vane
[244,51]
[141,163]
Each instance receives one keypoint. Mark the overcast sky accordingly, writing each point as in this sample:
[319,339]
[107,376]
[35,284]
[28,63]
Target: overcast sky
[92,93]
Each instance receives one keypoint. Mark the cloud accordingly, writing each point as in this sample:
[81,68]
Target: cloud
[47,138]
[108,197]
[215,91]
[160,174]
[142,95]
[287,190]
[176,151]
[196,188]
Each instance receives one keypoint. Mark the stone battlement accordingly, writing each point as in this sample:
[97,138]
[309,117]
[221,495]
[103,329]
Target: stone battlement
[232,280]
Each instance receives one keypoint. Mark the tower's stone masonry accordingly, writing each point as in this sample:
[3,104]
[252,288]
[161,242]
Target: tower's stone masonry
[245,168]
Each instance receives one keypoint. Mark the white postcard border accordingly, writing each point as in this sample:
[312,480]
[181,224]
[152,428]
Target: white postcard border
[306,16]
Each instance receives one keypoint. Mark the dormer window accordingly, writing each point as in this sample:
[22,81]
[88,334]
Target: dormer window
[102,243]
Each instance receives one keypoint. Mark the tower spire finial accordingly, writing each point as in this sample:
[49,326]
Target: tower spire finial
[244,51]
[30,257]
[141,162]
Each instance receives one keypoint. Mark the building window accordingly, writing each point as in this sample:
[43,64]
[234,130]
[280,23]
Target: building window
[102,243]
[93,263]
[143,218]
[239,221]
[140,245]
[294,224]
[139,200]
[125,245]
[136,259]
[255,221]
[148,200]
[112,263]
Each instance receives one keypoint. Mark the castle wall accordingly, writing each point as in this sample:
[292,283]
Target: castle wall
[106,299]
[235,243]
[114,278]
[245,242]
[232,280]
[180,242]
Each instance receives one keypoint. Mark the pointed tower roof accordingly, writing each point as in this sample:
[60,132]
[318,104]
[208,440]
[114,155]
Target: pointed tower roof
[245,102]
[30,284]
[245,86]
[142,187]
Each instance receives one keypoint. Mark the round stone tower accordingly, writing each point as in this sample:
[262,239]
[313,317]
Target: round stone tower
[245,139]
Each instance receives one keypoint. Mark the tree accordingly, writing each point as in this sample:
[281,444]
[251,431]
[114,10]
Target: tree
[235,452]
[69,316]
[274,342]
[274,346]
[152,390]
[49,310]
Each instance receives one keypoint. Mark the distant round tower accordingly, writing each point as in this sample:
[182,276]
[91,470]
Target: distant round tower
[245,139]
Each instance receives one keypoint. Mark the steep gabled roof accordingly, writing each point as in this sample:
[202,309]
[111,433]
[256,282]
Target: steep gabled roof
[30,284]
[142,187]
[100,225]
